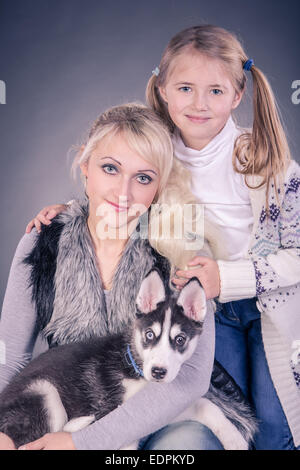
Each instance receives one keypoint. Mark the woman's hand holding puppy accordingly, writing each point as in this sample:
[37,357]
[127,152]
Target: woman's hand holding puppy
[51,441]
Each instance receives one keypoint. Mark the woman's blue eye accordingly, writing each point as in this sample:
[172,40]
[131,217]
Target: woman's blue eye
[144,179]
[216,91]
[185,88]
[110,169]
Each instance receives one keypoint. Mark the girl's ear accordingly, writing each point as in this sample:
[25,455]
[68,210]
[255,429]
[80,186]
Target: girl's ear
[237,99]
[162,92]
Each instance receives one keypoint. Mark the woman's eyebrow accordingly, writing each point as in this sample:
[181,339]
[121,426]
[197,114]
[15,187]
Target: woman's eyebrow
[138,171]
[142,171]
[112,158]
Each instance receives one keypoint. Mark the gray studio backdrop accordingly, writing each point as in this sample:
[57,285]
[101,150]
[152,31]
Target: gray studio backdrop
[62,62]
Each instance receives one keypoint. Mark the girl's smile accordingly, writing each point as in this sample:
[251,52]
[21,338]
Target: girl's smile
[197,119]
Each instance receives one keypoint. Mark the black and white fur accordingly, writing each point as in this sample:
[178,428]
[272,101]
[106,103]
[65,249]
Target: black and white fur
[70,386]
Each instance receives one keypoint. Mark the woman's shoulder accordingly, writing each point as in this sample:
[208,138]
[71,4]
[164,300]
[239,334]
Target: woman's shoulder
[26,244]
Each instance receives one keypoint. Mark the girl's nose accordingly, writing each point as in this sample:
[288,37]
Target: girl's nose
[200,101]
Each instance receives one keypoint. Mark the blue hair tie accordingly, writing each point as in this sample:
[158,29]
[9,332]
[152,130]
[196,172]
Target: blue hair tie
[248,64]
[156,71]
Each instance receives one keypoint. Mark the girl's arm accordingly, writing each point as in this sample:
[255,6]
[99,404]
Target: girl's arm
[156,405]
[264,274]
[18,319]
[258,274]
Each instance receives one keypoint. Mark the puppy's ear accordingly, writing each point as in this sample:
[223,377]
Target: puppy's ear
[152,291]
[193,300]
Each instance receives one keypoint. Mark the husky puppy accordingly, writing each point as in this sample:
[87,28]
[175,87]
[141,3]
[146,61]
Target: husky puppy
[70,386]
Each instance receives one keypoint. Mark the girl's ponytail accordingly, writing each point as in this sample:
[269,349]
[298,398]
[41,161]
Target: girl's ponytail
[265,151]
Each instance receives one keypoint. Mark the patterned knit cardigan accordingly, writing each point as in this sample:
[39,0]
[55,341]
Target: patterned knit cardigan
[271,273]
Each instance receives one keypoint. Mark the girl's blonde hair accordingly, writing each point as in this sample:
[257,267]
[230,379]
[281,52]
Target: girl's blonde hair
[146,134]
[264,151]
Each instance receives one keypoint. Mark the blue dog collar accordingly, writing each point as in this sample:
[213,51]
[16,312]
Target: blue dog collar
[131,362]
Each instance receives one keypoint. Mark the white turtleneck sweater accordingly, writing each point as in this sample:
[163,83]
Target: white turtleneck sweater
[227,208]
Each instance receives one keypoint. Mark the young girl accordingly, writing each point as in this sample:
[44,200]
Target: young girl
[250,189]
[80,277]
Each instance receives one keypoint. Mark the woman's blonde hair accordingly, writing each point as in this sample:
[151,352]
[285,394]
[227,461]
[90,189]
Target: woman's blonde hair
[264,151]
[146,133]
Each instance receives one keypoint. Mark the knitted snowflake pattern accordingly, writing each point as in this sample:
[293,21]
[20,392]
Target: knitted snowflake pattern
[281,230]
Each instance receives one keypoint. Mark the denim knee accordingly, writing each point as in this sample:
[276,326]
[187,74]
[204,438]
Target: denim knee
[185,435]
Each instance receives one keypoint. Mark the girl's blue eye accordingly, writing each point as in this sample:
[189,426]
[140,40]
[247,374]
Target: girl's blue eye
[144,179]
[110,169]
[216,91]
[185,88]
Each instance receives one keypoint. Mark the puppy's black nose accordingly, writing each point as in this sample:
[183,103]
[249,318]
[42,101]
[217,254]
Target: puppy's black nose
[158,373]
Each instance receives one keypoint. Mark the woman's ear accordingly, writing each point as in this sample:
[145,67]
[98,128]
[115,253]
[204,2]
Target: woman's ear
[84,168]
[237,99]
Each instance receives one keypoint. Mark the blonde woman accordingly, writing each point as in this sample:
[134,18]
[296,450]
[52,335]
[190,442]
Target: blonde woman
[80,276]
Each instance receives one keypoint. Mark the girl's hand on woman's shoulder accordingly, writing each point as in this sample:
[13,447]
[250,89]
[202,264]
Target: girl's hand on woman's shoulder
[206,270]
[45,216]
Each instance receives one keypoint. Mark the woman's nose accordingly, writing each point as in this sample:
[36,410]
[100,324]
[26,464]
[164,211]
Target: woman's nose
[124,191]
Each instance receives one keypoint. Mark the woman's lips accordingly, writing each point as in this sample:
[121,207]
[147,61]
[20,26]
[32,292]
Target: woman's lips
[197,119]
[117,207]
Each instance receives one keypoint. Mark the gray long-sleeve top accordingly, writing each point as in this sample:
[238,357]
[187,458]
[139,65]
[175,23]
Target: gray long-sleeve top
[149,410]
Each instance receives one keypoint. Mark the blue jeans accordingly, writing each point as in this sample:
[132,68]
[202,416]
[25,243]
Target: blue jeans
[240,350]
[185,435]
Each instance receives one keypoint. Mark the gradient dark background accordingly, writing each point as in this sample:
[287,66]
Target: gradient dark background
[65,61]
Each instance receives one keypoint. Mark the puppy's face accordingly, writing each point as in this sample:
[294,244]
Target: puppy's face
[164,340]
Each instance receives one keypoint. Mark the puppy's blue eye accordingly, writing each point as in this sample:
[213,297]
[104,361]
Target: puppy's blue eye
[149,335]
[180,340]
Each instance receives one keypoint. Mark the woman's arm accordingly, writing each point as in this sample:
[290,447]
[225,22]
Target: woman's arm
[18,319]
[156,405]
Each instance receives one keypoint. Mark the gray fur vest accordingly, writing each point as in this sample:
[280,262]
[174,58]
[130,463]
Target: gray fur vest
[66,285]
